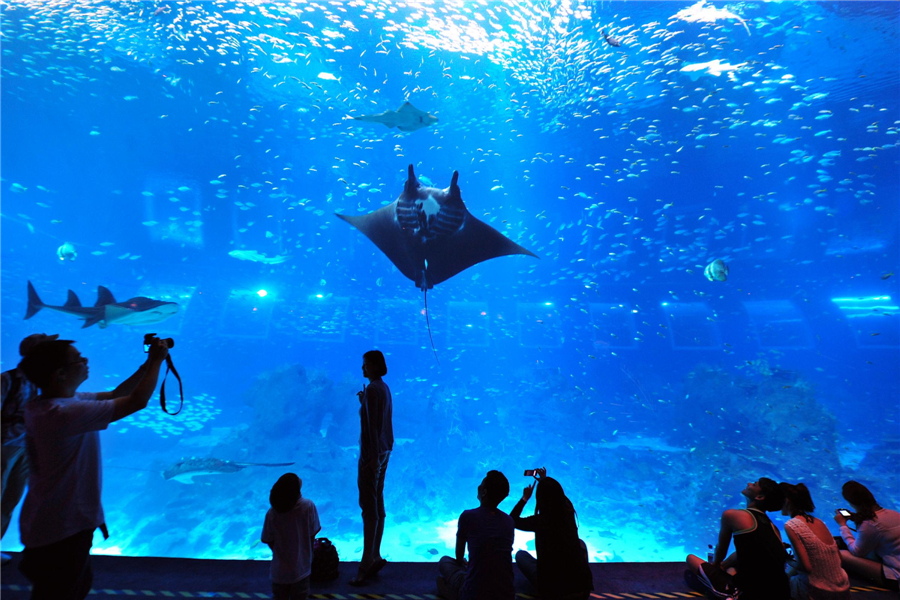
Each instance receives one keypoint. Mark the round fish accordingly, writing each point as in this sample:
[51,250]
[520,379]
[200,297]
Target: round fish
[66,252]
[717,270]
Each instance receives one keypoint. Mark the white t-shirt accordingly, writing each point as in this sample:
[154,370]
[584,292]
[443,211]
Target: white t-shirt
[290,535]
[64,485]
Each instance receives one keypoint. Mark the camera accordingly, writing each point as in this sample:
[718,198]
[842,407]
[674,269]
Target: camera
[150,338]
[530,472]
[845,513]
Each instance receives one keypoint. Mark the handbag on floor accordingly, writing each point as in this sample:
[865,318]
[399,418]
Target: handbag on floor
[325,561]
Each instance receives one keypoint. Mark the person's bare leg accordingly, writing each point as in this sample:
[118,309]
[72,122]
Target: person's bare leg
[379,527]
[861,567]
[376,546]
[694,562]
[369,526]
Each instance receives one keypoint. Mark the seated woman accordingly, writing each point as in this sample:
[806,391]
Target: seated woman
[817,560]
[561,570]
[759,553]
[877,531]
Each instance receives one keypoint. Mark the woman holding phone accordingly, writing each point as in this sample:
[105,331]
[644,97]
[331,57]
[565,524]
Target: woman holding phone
[376,440]
[877,531]
[561,570]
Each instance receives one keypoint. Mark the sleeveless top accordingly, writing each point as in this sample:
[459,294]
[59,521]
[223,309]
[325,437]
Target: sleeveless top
[761,559]
[825,559]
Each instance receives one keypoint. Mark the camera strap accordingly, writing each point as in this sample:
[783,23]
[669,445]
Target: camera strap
[162,390]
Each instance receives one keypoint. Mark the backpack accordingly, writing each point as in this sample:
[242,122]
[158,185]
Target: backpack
[324,561]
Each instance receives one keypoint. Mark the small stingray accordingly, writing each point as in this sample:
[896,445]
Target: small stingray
[405,118]
[430,236]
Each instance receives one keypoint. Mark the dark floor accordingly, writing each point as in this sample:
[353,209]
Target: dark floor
[188,578]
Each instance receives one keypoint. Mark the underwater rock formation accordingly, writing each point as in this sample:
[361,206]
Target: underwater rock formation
[764,423]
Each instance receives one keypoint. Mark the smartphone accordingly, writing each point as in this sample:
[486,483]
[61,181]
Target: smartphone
[845,513]
[529,472]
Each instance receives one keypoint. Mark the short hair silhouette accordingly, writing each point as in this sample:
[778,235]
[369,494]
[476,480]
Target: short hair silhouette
[285,493]
[376,360]
[496,487]
[42,361]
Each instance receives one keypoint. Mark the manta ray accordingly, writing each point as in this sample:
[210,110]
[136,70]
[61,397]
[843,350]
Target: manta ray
[405,118]
[106,311]
[430,236]
[185,470]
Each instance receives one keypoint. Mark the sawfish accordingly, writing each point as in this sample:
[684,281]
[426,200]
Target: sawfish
[185,470]
[106,311]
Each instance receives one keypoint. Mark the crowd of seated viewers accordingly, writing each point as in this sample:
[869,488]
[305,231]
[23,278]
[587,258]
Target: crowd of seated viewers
[50,440]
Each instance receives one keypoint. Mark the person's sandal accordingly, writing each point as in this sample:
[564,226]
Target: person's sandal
[376,567]
[370,572]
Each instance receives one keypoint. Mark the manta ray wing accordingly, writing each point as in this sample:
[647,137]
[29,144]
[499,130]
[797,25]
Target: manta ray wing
[429,234]
[475,242]
[383,229]
[411,118]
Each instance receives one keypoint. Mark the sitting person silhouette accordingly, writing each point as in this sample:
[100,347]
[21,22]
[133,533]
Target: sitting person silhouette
[759,555]
[817,572]
[877,533]
[489,534]
[561,570]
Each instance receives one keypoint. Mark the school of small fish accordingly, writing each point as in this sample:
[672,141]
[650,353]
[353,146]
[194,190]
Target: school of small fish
[703,83]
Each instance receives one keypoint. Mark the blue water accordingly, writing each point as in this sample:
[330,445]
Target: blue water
[157,138]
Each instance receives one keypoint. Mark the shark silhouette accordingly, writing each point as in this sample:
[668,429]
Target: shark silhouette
[185,470]
[106,311]
[405,118]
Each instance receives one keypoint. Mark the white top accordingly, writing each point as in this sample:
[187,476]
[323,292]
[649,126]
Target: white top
[291,535]
[824,558]
[61,435]
[881,534]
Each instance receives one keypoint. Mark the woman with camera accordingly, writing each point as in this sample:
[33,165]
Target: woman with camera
[877,531]
[561,570]
[817,572]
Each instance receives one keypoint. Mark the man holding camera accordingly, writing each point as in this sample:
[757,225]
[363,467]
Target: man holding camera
[62,508]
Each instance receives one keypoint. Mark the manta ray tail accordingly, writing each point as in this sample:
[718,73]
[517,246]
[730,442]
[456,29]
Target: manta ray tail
[428,322]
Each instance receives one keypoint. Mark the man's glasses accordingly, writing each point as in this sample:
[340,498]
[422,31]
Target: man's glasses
[81,361]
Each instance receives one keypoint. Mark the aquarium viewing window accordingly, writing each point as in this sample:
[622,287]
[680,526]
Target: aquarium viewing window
[471,320]
[539,325]
[873,320]
[389,330]
[778,324]
[245,315]
[651,246]
[613,325]
[692,325]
